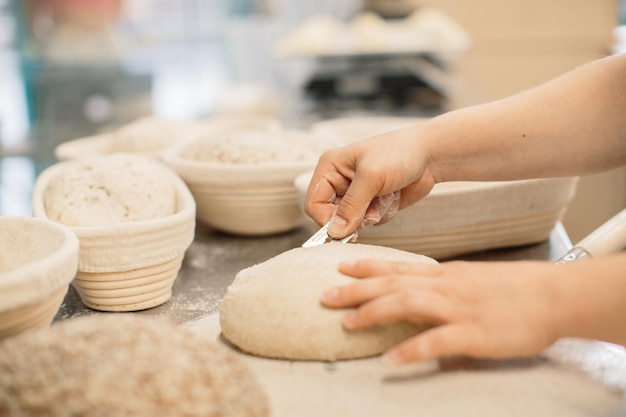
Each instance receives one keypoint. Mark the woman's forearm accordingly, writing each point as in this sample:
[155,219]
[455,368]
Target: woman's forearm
[573,125]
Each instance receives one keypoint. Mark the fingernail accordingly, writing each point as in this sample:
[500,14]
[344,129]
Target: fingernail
[337,226]
[349,320]
[393,357]
[330,294]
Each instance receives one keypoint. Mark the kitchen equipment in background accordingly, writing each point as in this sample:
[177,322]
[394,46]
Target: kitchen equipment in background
[74,101]
[374,63]
[425,31]
[392,8]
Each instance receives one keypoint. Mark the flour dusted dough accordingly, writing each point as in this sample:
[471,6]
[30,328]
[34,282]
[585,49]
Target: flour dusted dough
[273,308]
[108,190]
[257,147]
[124,366]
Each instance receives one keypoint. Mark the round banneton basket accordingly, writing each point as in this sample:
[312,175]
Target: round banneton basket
[247,196]
[128,266]
[38,260]
[150,135]
[459,218]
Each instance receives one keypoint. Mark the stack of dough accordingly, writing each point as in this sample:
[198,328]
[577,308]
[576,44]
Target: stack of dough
[370,32]
[124,366]
[273,309]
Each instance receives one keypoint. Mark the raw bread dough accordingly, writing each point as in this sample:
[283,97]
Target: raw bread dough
[111,189]
[273,308]
[248,147]
[123,366]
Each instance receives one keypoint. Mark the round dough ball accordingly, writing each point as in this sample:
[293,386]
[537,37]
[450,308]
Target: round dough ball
[108,190]
[123,366]
[273,309]
[257,148]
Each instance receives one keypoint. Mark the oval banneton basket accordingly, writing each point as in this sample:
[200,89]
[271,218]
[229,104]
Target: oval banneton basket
[459,218]
[249,199]
[38,260]
[128,266]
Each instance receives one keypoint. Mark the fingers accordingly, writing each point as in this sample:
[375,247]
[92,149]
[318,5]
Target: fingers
[383,277]
[359,172]
[365,178]
[438,342]
[353,186]
[340,194]
[323,195]
[376,267]
[412,305]
[353,205]
[364,291]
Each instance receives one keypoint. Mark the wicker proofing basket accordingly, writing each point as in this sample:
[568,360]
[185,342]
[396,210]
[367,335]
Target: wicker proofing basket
[242,199]
[38,260]
[128,266]
[464,217]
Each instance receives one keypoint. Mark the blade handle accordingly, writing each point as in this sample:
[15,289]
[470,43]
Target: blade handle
[609,238]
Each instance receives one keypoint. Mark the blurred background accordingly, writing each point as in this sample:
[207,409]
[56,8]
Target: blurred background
[74,68]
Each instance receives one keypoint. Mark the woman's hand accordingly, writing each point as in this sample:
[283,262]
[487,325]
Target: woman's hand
[478,309]
[540,132]
[367,182]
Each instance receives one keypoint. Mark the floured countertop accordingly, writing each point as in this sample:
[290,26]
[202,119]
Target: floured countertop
[573,378]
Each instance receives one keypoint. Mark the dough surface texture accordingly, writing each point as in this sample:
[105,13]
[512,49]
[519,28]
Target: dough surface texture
[256,148]
[123,366]
[273,309]
[110,190]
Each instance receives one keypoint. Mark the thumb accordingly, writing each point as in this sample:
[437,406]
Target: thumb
[352,207]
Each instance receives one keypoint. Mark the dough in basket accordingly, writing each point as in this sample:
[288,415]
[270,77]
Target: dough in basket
[111,189]
[124,366]
[273,309]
